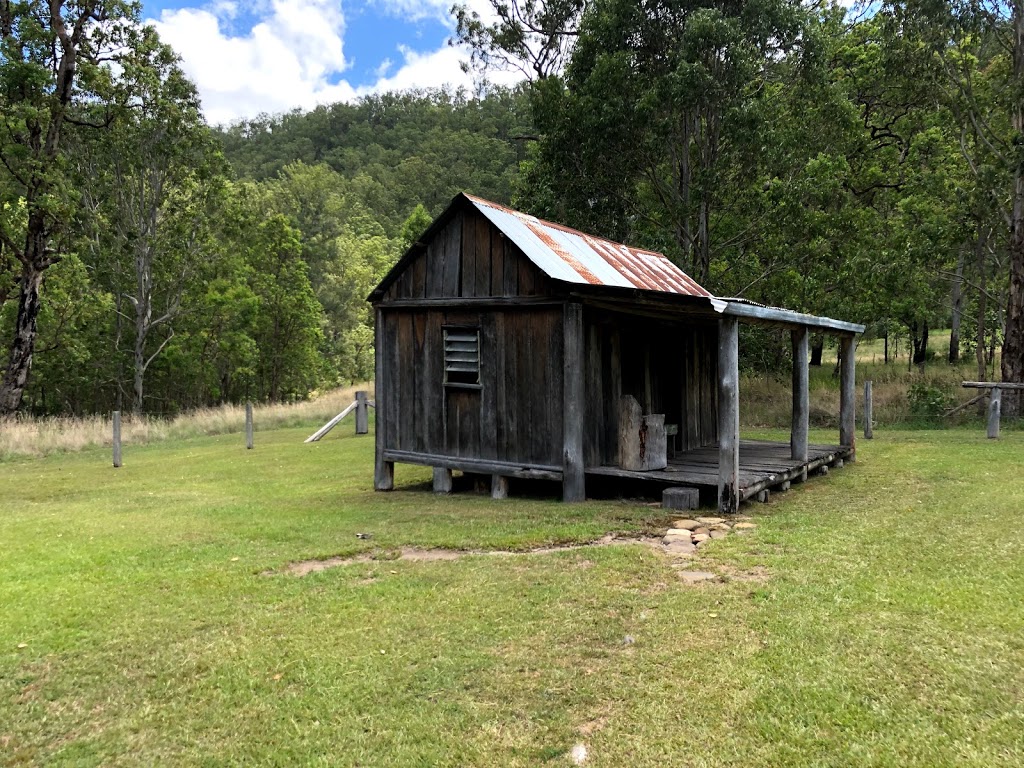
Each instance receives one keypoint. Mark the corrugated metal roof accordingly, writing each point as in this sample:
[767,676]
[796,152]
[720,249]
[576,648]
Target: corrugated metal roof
[574,257]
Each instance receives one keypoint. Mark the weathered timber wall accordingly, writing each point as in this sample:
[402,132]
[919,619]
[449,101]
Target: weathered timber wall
[669,367]
[514,415]
[469,258]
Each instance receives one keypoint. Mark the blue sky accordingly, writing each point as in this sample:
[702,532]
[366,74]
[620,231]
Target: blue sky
[275,55]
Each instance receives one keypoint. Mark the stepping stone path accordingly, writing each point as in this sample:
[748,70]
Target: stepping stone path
[686,535]
[697,531]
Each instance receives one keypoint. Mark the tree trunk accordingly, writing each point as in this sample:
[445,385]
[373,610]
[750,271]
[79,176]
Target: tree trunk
[39,139]
[143,322]
[957,300]
[817,347]
[1013,339]
[920,336]
[979,338]
[704,242]
[23,345]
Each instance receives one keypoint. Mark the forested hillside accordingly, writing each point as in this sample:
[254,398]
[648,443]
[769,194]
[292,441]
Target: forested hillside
[866,167]
[400,149]
[179,266]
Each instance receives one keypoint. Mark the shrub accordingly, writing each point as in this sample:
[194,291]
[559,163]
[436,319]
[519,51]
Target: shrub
[926,399]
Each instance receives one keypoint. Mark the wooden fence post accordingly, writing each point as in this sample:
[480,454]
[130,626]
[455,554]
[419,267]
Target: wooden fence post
[117,438]
[869,430]
[362,414]
[995,404]
[248,426]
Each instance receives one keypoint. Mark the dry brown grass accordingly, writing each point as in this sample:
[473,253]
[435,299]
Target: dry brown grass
[27,436]
[765,401]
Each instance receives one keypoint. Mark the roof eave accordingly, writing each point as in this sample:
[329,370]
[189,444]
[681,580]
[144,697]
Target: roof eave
[786,317]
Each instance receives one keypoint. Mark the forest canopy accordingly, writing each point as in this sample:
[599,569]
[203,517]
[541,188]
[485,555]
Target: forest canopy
[864,166]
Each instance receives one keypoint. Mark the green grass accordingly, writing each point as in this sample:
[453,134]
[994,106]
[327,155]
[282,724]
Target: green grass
[889,632]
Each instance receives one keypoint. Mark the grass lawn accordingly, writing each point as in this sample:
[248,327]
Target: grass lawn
[136,627]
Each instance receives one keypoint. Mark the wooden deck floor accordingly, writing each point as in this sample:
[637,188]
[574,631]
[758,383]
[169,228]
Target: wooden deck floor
[763,465]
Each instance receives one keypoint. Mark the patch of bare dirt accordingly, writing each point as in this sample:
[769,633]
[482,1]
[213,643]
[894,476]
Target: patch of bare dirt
[669,545]
[415,554]
[593,726]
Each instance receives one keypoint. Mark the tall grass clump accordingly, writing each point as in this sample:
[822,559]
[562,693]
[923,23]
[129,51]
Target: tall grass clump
[31,436]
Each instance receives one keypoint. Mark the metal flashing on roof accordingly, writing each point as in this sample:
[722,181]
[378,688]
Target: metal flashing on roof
[574,257]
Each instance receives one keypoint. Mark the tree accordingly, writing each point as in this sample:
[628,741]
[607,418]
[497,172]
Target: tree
[964,36]
[53,60]
[347,252]
[156,180]
[534,37]
[414,226]
[656,124]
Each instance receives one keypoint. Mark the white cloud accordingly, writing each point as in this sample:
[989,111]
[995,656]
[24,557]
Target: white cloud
[286,60]
[438,9]
[433,70]
[293,56]
[416,10]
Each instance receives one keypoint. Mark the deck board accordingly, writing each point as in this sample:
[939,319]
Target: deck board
[763,464]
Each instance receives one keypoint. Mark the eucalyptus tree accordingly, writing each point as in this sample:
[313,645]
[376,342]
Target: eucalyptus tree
[155,186]
[533,37]
[657,120]
[979,45]
[55,71]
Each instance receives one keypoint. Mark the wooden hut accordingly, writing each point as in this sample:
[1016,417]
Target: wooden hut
[505,346]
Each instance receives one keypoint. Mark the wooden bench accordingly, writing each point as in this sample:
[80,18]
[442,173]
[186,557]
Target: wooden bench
[995,400]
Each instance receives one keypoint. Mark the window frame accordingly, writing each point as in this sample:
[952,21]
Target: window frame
[462,330]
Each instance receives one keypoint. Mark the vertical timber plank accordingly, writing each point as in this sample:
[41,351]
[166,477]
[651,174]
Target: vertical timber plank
[728,415]
[527,276]
[497,262]
[470,251]
[489,354]
[612,395]
[452,257]
[502,432]
[406,370]
[801,401]
[848,394]
[573,477]
[419,275]
[434,268]
[510,278]
[482,257]
[383,471]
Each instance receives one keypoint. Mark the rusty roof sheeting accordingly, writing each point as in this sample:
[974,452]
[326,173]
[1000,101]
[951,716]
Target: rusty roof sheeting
[573,257]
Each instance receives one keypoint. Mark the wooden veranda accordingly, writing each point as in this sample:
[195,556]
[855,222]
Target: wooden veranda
[763,466]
